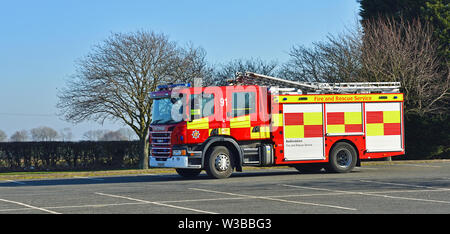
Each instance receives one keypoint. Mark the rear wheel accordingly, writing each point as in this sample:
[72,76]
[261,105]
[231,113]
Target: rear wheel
[188,173]
[218,162]
[343,158]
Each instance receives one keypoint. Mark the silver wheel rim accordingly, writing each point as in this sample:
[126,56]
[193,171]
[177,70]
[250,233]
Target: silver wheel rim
[222,162]
[344,158]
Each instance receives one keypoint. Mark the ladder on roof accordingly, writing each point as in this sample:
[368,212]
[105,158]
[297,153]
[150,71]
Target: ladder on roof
[282,85]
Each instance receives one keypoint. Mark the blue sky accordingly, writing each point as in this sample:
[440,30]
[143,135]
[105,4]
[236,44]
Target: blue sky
[40,41]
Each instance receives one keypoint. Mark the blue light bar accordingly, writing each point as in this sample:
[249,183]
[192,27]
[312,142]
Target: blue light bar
[171,86]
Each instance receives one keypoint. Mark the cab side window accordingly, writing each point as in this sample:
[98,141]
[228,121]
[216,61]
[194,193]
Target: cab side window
[202,105]
[243,103]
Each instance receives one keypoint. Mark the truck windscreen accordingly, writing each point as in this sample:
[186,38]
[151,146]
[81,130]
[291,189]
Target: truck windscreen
[167,110]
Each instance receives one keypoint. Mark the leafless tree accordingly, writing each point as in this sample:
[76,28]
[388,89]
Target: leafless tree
[405,52]
[127,133]
[335,60]
[93,135]
[65,134]
[3,136]
[257,65]
[113,136]
[43,134]
[192,64]
[115,79]
[386,50]
[21,135]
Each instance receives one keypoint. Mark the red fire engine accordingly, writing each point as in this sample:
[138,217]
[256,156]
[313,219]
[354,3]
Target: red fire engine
[260,120]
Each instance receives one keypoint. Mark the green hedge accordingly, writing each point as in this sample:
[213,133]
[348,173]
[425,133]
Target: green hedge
[85,155]
[427,137]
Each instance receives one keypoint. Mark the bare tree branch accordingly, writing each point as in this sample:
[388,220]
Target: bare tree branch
[405,52]
[114,80]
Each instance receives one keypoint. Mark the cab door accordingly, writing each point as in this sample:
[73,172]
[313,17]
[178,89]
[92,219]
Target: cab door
[203,116]
[241,109]
[243,113]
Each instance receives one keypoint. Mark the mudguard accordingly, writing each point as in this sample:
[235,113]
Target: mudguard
[229,142]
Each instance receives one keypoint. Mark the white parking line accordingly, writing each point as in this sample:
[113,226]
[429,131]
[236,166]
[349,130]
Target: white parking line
[396,184]
[29,206]
[407,185]
[76,206]
[319,189]
[156,203]
[371,194]
[273,199]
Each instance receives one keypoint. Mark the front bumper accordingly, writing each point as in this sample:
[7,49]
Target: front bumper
[176,162]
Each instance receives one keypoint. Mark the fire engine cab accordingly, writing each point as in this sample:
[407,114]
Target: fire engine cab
[266,121]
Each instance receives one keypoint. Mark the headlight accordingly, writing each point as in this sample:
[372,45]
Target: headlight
[178,152]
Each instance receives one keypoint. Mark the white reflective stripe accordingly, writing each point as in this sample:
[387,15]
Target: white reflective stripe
[343,107]
[346,134]
[384,106]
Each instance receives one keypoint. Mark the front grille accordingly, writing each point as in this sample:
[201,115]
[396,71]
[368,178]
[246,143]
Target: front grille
[161,134]
[160,143]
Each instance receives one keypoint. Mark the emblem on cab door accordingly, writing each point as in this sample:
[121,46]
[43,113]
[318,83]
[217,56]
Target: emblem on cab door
[195,134]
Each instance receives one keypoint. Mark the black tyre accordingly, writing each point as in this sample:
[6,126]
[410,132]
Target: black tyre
[218,162]
[343,158]
[188,173]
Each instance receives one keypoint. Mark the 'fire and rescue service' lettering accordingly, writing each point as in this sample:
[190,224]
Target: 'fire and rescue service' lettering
[329,98]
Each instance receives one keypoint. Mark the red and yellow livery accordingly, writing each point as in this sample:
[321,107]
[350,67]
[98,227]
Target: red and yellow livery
[221,129]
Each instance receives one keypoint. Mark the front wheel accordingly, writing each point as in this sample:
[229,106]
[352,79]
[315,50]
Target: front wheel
[218,162]
[343,158]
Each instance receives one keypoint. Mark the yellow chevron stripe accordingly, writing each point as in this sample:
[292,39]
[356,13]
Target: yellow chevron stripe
[240,122]
[202,123]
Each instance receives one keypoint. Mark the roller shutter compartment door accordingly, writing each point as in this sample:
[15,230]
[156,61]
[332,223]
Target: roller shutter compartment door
[384,127]
[303,132]
[344,119]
